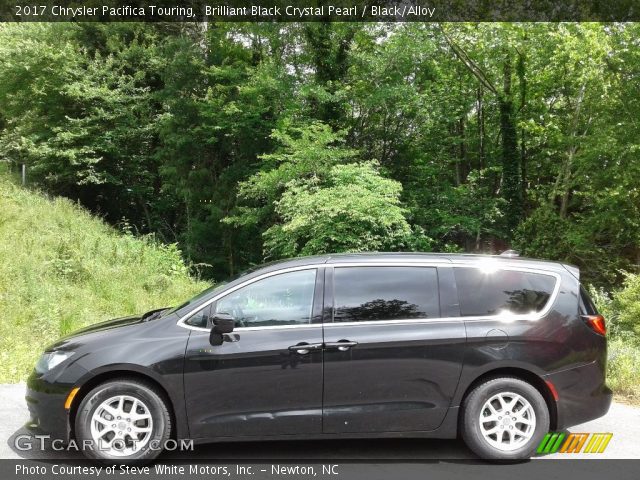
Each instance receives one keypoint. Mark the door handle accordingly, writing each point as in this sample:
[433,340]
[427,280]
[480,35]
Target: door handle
[303,347]
[342,345]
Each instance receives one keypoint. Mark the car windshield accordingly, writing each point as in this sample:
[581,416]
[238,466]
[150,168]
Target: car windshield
[185,307]
[182,308]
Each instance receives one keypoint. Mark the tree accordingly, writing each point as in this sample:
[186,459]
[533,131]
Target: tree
[304,153]
[83,118]
[511,168]
[353,209]
[223,97]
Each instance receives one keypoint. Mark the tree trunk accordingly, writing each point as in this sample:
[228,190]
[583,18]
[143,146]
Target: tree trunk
[453,133]
[562,185]
[511,173]
[462,150]
[230,260]
[523,146]
[480,109]
[523,169]
[566,182]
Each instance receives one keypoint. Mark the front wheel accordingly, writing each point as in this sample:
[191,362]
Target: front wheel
[123,421]
[504,419]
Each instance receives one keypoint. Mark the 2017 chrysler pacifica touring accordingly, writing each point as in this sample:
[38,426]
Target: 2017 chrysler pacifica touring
[497,350]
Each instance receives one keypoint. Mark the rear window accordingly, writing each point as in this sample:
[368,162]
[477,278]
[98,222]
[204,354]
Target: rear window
[485,293]
[587,307]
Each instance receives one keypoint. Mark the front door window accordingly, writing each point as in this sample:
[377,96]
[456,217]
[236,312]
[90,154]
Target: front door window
[283,299]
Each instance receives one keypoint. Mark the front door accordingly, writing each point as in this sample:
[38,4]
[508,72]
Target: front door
[269,380]
[392,363]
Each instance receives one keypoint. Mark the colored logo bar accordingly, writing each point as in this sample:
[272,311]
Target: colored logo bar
[574,442]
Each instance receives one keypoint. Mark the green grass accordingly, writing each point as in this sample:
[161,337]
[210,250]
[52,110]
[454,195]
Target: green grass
[623,359]
[623,372]
[61,269]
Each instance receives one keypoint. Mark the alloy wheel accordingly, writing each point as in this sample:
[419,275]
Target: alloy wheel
[507,421]
[121,426]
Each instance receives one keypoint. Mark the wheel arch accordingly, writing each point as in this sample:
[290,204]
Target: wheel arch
[523,374]
[123,374]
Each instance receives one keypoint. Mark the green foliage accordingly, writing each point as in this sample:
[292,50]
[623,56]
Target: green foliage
[219,108]
[80,116]
[304,152]
[353,209]
[511,167]
[322,203]
[623,375]
[501,134]
[622,313]
[63,269]
[626,305]
[547,235]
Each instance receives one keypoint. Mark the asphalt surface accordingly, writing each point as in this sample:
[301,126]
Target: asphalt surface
[622,420]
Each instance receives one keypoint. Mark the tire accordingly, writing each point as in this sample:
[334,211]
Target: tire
[500,437]
[133,437]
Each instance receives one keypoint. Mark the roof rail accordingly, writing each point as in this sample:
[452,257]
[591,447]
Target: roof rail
[510,253]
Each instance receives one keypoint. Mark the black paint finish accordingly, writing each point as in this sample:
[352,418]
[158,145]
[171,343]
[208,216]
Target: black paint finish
[255,385]
[399,377]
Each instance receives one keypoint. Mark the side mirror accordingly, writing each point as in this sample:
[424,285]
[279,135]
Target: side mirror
[223,323]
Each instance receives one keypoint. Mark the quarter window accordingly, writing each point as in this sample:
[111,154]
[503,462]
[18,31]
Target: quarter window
[586,305]
[485,293]
[385,293]
[282,299]
[200,318]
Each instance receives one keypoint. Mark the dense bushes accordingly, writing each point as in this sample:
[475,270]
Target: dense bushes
[623,375]
[626,305]
[622,311]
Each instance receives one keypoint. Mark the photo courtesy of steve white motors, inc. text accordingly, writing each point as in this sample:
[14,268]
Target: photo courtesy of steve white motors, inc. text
[161,469]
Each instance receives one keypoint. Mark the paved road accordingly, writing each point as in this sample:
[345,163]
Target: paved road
[622,420]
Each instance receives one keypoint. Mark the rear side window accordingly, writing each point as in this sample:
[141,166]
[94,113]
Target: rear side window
[485,293]
[385,293]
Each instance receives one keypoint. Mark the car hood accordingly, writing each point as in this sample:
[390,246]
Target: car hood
[107,325]
[74,339]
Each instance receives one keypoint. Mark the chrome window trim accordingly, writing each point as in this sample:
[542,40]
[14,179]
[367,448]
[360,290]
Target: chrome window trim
[429,263]
[404,321]
[278,327]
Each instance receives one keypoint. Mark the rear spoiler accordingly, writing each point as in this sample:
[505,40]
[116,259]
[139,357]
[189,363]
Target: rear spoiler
[573,270]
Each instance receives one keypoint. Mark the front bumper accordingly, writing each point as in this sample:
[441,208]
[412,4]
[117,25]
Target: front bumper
[582,394]
[46,407]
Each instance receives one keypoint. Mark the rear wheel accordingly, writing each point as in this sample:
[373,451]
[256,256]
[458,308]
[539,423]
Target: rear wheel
[504,419]
[123,421]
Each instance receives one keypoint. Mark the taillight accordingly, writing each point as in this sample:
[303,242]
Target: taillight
[595,323]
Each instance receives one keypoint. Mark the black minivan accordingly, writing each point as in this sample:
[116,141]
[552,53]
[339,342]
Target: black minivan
[496,349]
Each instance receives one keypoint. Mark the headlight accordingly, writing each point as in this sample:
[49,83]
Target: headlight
[49,360]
